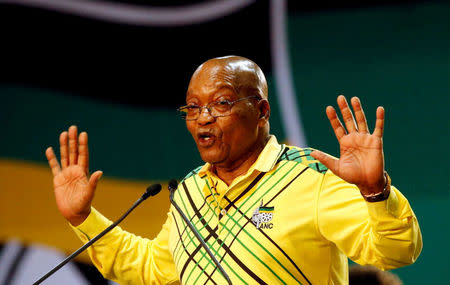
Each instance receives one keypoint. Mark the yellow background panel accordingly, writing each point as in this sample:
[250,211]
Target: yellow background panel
[28,210]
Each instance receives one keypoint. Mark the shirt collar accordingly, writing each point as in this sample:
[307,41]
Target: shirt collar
[266,159]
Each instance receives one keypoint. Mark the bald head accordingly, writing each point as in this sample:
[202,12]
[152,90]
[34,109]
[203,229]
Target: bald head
[236,127]
[242,74]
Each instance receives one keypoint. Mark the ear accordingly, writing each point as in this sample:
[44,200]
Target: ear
[264,111]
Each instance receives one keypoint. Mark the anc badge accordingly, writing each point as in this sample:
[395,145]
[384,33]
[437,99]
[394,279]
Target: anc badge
[262,216]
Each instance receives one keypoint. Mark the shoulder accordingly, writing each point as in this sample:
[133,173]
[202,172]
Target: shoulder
[302,156]
[192,173]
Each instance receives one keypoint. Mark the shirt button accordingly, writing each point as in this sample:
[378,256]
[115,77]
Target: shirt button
[223,212]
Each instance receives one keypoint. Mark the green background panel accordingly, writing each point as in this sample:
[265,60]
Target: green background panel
[397,57]
[124,142]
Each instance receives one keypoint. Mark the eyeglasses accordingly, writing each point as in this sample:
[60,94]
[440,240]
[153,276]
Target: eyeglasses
[216,109]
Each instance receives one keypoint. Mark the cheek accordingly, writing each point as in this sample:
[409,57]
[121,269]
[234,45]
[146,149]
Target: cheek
[241,131]
[190,127]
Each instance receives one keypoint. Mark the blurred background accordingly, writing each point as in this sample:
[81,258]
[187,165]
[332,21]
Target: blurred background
[119,70]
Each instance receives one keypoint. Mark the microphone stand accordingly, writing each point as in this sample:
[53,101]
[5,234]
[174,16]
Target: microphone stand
[151,191]
[197,235]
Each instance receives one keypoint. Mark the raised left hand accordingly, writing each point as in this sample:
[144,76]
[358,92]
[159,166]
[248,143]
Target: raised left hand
[362,159]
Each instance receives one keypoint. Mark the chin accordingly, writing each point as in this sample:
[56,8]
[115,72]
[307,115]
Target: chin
[212,158]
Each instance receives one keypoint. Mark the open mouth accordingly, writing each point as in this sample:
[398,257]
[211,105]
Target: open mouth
[205,138]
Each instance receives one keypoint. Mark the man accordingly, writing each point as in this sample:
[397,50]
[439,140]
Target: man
[270,213]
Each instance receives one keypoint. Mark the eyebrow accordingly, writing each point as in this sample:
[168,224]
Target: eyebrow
[220,88]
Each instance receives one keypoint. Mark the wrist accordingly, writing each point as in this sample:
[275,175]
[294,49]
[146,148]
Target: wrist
[377,196]
[78,219]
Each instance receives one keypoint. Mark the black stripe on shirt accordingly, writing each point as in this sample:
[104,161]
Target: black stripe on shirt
[182,233]
[185,249]
[219,241]
[272,241]
[249,187]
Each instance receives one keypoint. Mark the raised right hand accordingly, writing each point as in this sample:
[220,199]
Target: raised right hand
[74,191]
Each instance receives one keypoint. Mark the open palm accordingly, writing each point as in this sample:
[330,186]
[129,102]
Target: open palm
[74,191]
[361,159]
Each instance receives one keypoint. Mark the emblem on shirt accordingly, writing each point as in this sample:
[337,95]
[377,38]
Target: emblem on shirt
[262,217]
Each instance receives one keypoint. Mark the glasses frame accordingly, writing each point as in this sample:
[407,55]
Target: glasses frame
[183,109]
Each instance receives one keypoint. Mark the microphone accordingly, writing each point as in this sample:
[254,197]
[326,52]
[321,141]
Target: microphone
[152,190]
[173,184]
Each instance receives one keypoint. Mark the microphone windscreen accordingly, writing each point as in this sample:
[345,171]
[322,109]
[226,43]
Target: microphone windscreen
[153,189]
[173,184]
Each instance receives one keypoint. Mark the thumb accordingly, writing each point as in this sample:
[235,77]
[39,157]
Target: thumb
[93,180]
[330,162]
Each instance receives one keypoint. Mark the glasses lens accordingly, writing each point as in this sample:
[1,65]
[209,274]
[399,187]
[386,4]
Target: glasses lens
[189,112]
[182,114]
[220,108]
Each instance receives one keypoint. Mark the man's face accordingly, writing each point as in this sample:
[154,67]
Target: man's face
[222,140]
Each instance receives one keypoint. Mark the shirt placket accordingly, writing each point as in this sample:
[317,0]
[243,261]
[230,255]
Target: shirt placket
[231,192]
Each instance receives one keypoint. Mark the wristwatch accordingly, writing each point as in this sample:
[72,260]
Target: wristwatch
[383,195]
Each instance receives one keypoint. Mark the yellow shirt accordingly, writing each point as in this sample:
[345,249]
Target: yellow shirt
[288,220]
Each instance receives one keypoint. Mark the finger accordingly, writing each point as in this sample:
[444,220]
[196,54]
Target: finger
[73,149]
[330,162]
[347,115]
[52,161]
[83,152]
[336,124]
[379,124]
[63,149]
[359,115]
[93,180]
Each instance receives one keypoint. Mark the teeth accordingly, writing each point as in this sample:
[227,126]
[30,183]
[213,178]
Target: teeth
[205,137]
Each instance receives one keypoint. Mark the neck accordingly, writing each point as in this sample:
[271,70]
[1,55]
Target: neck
[228,173]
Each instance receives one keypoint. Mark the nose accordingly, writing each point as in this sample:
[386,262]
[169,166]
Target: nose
[205,117]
